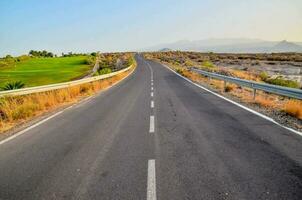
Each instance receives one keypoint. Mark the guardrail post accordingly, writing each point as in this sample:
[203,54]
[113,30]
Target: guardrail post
[254,92]
[209,78]
[224,85]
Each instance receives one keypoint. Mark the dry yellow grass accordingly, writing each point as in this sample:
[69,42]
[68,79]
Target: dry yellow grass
[294,108]
[265,101]
[230,87]
[244,75]
[15,110]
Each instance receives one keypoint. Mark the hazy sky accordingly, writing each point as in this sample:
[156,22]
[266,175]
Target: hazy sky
[118,25]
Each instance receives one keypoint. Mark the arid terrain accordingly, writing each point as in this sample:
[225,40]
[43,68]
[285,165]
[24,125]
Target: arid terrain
[289,68]
[282,69]
[285,65]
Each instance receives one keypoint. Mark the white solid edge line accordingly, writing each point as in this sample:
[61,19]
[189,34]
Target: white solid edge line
[151,181]
[82,103]
[151,129]
[152,104]
[237,104]
[31,127]
[56,114]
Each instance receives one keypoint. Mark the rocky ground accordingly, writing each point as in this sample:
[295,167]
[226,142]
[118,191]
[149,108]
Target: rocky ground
[287,69]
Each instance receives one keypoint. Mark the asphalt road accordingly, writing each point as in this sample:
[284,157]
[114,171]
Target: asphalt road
[162,139]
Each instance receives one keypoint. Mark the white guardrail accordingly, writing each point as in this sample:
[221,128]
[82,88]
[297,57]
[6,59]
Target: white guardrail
[57,86]
[274,89]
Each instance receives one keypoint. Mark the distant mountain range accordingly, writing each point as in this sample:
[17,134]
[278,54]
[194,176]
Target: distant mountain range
[235,45]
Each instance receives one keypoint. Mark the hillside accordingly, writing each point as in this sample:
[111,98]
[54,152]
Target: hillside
[235,45]
[285,46]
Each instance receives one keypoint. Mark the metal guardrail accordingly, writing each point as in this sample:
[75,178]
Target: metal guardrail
[274,89]
[46,88]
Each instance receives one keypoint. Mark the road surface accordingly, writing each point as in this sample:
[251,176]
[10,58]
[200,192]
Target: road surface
[162,139]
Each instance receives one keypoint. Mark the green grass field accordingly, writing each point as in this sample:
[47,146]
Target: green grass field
[42,71]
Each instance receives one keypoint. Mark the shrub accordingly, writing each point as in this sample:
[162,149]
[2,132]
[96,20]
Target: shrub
[23,58]
[208,64]
[90,60]
[263,76]
[229,88]
[43,53]
[3,63]
[13,85]
[130,61]
[265,102]
[189,63]
[16,109]
[104,71]
[283,82]
[180,71]
[293,108]
[24,111]
[9,60]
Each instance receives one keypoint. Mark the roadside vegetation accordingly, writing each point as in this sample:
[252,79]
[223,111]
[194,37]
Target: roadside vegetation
[110,62]
[282,82]
[15,110]
[43,71]
[13,85]
[42,67]
[182,62]
[205,61]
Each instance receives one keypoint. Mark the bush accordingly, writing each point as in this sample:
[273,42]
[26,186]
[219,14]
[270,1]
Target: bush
[263,76]
[189,63]
[13,85]
[43,53]
[294,108]
[17,109]
[229,88]
[23,58]
[3,63]
[207,64]
[130,61]
[283,82]
[90,60]
[104,71]
[180,71]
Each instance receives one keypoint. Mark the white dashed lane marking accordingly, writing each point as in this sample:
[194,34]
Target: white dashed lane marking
[151,181]
[151,129]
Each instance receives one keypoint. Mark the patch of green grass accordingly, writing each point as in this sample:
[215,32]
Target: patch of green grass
[42,71]
[283,82]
